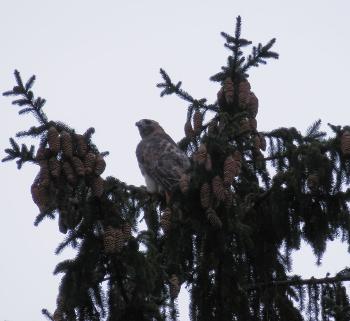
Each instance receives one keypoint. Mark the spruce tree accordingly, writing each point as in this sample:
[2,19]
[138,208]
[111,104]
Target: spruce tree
[229,228]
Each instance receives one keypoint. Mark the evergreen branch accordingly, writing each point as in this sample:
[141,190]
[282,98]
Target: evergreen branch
[297,281]
[259,54]
[23,154]
[47,314]
[27,98]
[170,88]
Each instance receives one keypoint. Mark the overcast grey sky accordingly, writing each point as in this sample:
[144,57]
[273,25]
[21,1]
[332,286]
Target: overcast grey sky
[97,63]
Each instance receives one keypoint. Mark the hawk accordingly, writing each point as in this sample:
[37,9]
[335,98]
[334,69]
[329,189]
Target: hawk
[161,161]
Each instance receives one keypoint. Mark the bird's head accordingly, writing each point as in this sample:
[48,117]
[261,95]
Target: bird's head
[148,127]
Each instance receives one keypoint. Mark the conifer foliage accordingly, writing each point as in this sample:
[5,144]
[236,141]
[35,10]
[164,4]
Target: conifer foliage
[227,231]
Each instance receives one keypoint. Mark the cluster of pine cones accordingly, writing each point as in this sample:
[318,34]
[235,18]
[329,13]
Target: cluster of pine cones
[219,188]
[65,161]
[114,238]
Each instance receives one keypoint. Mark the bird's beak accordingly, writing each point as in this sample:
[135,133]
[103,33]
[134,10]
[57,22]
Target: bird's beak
[137,124]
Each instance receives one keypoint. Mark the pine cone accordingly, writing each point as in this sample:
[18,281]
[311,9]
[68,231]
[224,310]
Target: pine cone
[55,167]
[205,195]
[40,196]
[221,97]
[228,90]
[66,144]
[119,239]
[244,126]
[230,199]
[201,155]
[257,142]
[237,156]
[53,139]
[82,146]
[174,286]
[42,153]
[109,240]
[244,93]
[208,163]
[230,170]
[197,122]
[100,165]
[89,163]
[313,182]
[253,105]
[126,228]
[253,124]
[113,240]
[97,186]
[44,173]
[345,143]
[218,188]
[184,183]
[78,166]
[262,142]
[212,127]
[189,132]
[213,219]
[69,173]
[165,220]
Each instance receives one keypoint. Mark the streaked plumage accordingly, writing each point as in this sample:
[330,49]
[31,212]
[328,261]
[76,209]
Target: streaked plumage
[161,161]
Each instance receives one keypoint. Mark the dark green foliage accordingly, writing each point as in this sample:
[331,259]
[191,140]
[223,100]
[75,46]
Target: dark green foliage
[234,255]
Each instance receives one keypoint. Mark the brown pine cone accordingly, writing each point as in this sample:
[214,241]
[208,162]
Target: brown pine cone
[69,173]
[82,146]
[237,156]
[201,155]
[244,126]
[53,140]
[221,97]
[230,199]
[257,142]
[89,163]
[197,122]
[244,93]
[42,153]
[100,165]
[208,163]
[205,195]
[40,196]
[345,143]
[253,105]
[189,132]
[212,127]
[174,286]
[109,240]
[213,219]
[313,182]
[165,220]
[78,166]
[262,142]
[228,90]
[253,124]
[44,173]
[97,186]
[218,188]
[126,228]
[230,170]
[55,167]
[66,144]
[119,239]
[184,183]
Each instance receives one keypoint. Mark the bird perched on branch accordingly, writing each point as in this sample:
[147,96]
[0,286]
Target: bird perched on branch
[161,161]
